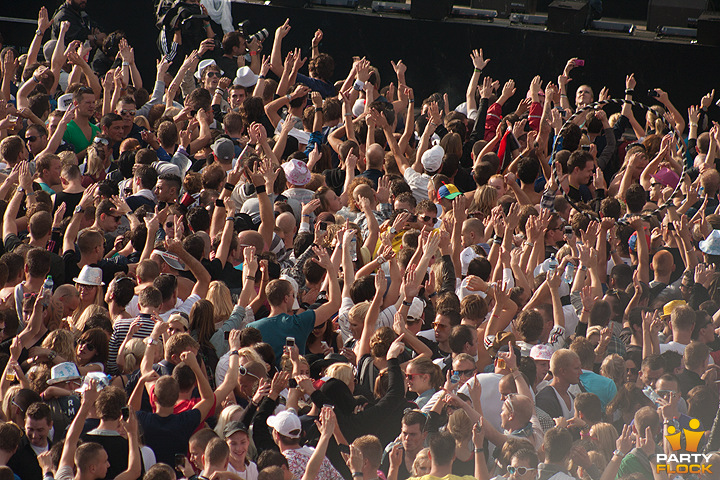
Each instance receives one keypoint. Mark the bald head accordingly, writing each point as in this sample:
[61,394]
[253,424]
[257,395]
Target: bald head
[663,263]
[286,223]
[562,358]
[250,237]
[375,155]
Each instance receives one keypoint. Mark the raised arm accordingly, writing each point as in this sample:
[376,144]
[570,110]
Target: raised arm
[90,395]
[276,55]
[363,346]
[134,468]
[202,276]
[328,309]
[74,227]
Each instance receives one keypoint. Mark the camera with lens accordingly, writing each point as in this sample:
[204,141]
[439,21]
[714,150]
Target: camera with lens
[260,35]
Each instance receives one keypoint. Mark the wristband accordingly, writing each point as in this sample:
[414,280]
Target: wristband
[563,95]
[219,203]
[432,295]
[261,189]
[349,115]
[220,91]
[411,100]
[692,124]
[261,76]
[434,124]
[35,79]
[406,303]
[252,53]
[233,352]
[39,32]
[231,219]
[125,64]
[289,97]
[629,91]
[358,85]
[380,259]
[478,70]
[229,186]
[479,450]
[618,453]
[357,474]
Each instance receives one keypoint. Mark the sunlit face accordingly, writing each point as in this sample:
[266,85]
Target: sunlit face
[165,191]
[465,369]
[85,351]
[176,327]
[238,443]
[127,111]
[356,328]
[53,122]
[100,468]
[333,201]
[521,465]
[442,328]
[211,76]
[85,105]
[416,382]
[583,95]
[542,367]
[35,141]
[237,97]
[412,437]
[37,431]
[116,131]
[196,455]
[572,372]
[649,377]
[498,184]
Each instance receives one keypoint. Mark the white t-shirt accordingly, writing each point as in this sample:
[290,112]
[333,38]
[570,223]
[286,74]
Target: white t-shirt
[490,398]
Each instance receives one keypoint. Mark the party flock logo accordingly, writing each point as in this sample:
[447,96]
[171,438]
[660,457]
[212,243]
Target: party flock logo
[682,463]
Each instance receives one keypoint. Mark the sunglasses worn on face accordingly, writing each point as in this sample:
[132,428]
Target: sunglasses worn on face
[519,470]
[128,112]
[213,74]
[89,346]
[427,218]
[411,376]
[31,138]
[466,373]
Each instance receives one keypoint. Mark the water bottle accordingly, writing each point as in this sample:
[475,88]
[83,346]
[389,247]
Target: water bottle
[552,264]
[569,273]
[651,394]
[48,285]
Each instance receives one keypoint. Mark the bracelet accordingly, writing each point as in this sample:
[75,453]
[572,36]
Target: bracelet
[433,124]
[584,267]
[358,85]
[220,91]
[411,100]
[629,91]
[406,303]
[125,64]
[563,95]
[233,352]
[252,145]
[348,115]
[692,124]
[253,53]
[219,203]
[432,294]
[477,70]
[357,474]
[618,453]
[261,76]
[261,189]
[528,244]
[229,186]
[35,79]
[289,97]
[231,219]
[39,32]
[380,259]
[479,450]
[306,215]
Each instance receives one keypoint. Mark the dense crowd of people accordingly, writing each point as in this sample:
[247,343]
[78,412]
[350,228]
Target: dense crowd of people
[247,272]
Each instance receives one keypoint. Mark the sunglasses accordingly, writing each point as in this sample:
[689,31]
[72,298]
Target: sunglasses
[101,140]
[427,218]
[655,184]
[466,373]
[519,470]
[88,345]
[212,74]
[410,376]
[31,138]
[128,112]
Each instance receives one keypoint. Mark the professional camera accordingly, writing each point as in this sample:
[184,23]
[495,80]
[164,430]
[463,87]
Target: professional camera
[244,28]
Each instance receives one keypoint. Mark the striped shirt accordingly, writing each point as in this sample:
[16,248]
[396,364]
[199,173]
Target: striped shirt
[120,331]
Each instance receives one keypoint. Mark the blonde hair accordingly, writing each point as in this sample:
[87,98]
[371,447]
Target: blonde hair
[251,354]
[224,418]
[95,161]
[61,342]
[133,353]
[92,309]
[420,458]
[484,200]
[219,295]
[613,367]
[425,366]
[358,311]
[460,426]
[341,371]
[606,435]
[8,399]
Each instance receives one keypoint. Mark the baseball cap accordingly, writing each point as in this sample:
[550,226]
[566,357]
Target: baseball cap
[432,159]
[170,259]
[286,423]
[224,149]
[234,427]
[64,102]
[448,191]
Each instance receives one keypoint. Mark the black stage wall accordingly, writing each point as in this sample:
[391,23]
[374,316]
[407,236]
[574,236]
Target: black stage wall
[437,53]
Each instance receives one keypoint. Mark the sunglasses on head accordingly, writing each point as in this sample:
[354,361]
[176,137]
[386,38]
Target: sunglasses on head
[519,470]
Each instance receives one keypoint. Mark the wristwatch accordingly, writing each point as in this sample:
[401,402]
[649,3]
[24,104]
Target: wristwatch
[150,341]
[393,230]
[78,209]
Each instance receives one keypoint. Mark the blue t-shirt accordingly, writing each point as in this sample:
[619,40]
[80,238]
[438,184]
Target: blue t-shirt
[276,329]
[168,435]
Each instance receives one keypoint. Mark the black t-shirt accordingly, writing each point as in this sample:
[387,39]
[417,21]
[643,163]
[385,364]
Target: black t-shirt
[228,274]
[109,268]
[169,435]
[71,200]
[115,446]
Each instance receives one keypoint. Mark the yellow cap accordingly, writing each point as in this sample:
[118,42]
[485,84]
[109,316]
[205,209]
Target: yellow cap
[670,306]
